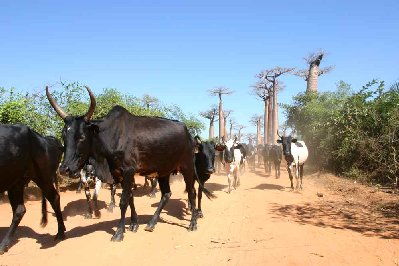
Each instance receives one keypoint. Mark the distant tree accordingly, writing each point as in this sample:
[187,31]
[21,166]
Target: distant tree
[219,91]
[270,85]
[211,115]
[226,114]
[239,128]
[257,121]
[311,75]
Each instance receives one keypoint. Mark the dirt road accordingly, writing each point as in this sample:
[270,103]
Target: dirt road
[261,223]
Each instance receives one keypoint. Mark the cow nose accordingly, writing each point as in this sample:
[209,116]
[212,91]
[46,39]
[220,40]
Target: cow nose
[211,170]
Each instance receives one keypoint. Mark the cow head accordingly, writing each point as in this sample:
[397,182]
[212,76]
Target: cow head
[228,150]
[205,155]
[286,142]
[77,135]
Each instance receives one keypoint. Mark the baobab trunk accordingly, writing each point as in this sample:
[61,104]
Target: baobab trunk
[313,74]
[211,129]
[265,122]
[269,122]
[258,134]
[221,119]
[275,118]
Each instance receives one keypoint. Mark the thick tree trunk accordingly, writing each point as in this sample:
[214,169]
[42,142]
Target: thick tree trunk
[211,129]
[258,133]
[269,122]
[221,119]
[275,118]
[265,122]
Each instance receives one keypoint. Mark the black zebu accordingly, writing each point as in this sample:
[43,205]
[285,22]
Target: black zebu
[26,155]
[204,164]
[121,145]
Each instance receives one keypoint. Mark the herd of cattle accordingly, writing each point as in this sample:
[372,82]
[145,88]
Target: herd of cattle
[117,147]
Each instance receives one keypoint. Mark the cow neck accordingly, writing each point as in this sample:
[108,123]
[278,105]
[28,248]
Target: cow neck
[99,150]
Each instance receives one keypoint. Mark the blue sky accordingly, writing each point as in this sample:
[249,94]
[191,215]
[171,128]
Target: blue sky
[178,50]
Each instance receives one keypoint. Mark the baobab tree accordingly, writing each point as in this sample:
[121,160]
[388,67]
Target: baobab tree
[226,114]
[269,77]
[232,124]
[311,75]
[257,121]
[239,128]
[211,115]
[219,91]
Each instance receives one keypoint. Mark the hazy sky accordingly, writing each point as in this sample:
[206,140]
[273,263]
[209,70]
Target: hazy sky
[178,50]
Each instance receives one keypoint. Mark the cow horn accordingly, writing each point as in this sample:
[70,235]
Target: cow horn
[278,134]
[92,104]
[55,105]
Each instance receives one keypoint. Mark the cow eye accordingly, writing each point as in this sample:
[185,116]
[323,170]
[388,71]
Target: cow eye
[82,138]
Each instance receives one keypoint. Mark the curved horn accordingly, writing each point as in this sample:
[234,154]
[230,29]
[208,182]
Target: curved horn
[55,105]
[278,134]
[92,104]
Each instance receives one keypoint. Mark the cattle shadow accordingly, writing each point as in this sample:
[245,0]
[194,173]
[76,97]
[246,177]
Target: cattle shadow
[175,207]
[340,216]
[266,186]
[213,187]
[79,208]
[45,240]
[262,173]
[108,226]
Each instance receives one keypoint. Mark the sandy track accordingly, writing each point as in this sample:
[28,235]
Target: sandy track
[261,223]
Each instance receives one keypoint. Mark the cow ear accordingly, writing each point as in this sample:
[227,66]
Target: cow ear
[279,141]
[294,140]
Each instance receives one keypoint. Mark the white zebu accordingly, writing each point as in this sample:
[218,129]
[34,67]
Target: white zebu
[231,159]
[295,153]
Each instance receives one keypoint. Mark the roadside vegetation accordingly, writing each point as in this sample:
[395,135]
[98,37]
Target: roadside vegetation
[354,133]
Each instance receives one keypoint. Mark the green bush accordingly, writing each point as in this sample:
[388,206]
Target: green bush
[351,133]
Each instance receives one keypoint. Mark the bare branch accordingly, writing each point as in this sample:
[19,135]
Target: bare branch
[325,70]
[303,73]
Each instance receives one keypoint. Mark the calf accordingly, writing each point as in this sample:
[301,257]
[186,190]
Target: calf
[26,155]
[204,165]
[231,157]
[296,154]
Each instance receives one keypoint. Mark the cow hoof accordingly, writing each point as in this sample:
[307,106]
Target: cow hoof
[88,216]
[117,237]
[134,227]
[43,222]
[111,208]
[149,228]
[192,227]
[97,214]
[59,236]
[200,214]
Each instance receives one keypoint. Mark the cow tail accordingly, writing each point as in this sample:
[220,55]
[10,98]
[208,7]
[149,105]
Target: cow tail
[207,193]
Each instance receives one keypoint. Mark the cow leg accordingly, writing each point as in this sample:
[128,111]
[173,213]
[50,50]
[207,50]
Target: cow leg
[199,211]
[89,213]
[291,177]
[301,174]
[192,198]
[297,175]
[16,197]
[127,194]
[154,183]
[54,198]
[96,192]
[134,224]
[112,203]
[165,190]
[44,220]
[80,184]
